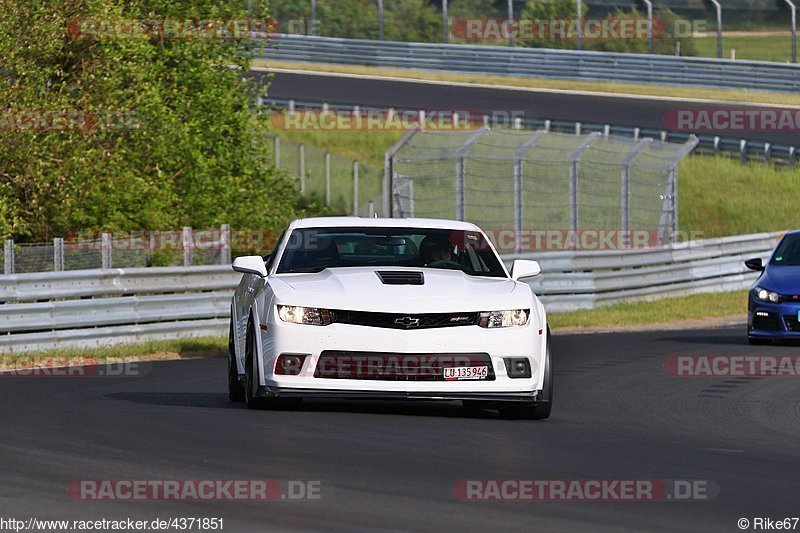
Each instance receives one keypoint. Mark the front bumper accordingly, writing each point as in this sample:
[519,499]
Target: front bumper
[281,338]
[289,393]
[773,320]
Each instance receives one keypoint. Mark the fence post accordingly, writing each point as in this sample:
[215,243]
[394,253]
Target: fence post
[277,152]
[625,189]
[225,244]
[188,246]
[445,28]
[105,251]
[327,179]
[460,177]
[58,254]
[355,188]
[573,179]
[8,257]
[302,149]
[380,20]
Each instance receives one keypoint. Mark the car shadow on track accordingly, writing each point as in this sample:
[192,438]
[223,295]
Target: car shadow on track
[220,401]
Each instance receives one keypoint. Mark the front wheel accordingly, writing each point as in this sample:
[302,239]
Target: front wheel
[235,389]
[250,370]
[537,410]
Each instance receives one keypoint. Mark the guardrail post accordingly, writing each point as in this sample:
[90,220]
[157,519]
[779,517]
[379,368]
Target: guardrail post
[277,152]
[355,188]
[743,150]
[767,152]
[58,254]
[106,246]
[327,179]
[188,246]
[577,128]
[225,244]
[792,157]
[8,257]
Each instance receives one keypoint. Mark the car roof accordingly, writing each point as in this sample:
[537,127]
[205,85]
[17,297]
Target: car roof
[334,222]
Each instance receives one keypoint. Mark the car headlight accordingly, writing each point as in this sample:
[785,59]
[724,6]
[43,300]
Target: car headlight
[503,319]
[767,296]
[313,316]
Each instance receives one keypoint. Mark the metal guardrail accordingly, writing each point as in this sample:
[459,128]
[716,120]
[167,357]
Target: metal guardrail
[95,308]
[538,62]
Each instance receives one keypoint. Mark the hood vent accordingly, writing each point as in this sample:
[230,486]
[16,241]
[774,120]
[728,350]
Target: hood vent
[395,277]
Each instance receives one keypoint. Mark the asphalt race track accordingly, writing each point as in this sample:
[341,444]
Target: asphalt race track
[600,109]
[392,466]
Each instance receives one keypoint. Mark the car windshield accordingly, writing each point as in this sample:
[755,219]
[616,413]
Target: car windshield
[314,249]
[788,252]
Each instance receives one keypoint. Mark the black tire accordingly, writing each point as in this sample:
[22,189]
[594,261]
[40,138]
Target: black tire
[535,410]
[235,389]
[251,401]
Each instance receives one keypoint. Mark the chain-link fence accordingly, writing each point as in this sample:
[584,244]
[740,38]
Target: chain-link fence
[559,184]
[329,179]
[185,247]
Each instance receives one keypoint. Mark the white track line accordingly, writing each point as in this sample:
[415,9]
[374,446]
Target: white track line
[522,89]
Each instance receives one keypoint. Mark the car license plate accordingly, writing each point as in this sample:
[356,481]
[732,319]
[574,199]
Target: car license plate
[466,372]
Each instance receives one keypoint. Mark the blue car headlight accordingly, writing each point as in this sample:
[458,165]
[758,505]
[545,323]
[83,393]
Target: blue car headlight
[766,295]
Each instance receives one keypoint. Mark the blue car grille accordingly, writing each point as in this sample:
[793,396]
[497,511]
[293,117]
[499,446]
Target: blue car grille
[767,323]
[792,324]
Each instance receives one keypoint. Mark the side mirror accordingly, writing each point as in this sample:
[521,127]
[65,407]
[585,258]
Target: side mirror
[755,264]
[250,264]
[522,268]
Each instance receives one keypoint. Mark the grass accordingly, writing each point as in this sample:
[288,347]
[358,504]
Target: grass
[166,349]
[678,309]
[727,95]
[719,196]
[776,47]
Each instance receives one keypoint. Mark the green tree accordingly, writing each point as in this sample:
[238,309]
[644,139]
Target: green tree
[171,141]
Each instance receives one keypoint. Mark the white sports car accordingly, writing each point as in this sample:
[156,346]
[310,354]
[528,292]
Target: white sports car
[348,307]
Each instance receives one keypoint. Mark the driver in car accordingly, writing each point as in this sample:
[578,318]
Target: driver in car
[434,249]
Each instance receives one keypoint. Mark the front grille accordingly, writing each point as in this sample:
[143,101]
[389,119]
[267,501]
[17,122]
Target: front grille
[792,324]
[384,366]
[767,323]
[403,321]
[395,277]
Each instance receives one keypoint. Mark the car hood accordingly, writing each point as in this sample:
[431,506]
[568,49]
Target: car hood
[781,279]
[360,289]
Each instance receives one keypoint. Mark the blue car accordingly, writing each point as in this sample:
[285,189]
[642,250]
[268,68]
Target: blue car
[773,311]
